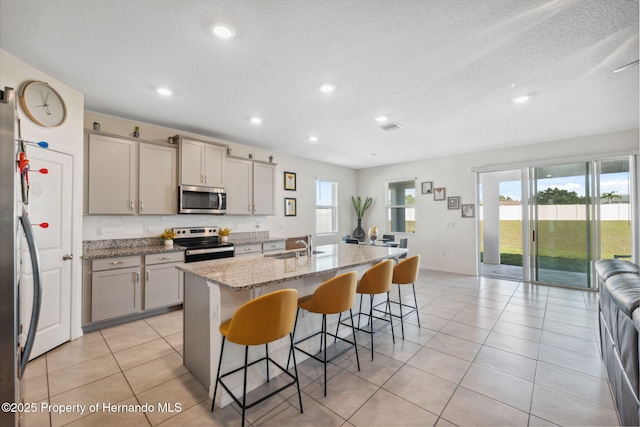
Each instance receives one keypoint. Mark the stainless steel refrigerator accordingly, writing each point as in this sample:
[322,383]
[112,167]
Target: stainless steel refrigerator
[16,339]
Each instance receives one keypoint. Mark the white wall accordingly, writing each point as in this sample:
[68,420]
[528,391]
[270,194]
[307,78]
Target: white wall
[129,226]
[66,138]
[446,241]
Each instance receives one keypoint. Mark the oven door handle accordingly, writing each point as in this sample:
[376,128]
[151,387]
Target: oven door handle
[208,250]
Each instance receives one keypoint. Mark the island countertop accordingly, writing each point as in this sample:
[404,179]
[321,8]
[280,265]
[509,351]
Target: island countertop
[252,271]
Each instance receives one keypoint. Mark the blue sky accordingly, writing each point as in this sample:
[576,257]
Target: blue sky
[618,182]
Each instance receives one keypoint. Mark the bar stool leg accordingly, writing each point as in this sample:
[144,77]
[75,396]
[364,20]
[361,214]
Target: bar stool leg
[323,334]
[415,300]
[215,388]
[291,351]
[371,322]
[266,349]
[401,318]
[393,335]
[295,369]
[355,344]
[244,384]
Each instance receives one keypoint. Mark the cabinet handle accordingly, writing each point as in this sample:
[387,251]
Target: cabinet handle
[116,262]
[206,179]
[137,276]
[147,276]
[165,257]
[130,205]
[141,205]
[202,179]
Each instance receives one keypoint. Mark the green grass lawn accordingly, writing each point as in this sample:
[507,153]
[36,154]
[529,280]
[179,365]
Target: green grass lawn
[563,244]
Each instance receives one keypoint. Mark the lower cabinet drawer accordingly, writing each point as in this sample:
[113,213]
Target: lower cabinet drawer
[248,249]
[273,246]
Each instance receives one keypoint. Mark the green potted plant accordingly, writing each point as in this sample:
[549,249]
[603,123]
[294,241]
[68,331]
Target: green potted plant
[360,209]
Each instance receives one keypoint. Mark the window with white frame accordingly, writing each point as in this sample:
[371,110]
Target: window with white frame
[401,206]
[326,206]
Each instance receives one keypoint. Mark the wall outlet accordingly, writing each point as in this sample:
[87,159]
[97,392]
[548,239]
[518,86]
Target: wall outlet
[99,231]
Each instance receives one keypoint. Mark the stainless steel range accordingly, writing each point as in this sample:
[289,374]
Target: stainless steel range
[202,243]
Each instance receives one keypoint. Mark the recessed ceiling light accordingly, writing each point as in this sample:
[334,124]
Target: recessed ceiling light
[256,120]
[521,99]
[313,139]
[327,88]
[223,31]
[382,118]
[164,91]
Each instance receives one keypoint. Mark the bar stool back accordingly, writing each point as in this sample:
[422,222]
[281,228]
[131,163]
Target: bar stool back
[334,296]
[260,321]
[376,280]
[404,273]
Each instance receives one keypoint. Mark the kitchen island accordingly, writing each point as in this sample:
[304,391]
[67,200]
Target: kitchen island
[213,290]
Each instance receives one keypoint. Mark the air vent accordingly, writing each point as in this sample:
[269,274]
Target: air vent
[390,126]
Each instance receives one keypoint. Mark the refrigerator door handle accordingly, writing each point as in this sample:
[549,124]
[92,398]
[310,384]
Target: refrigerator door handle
[37,291]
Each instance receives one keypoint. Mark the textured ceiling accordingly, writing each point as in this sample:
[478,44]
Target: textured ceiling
[445,70]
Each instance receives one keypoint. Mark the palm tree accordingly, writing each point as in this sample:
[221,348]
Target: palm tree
[610,196]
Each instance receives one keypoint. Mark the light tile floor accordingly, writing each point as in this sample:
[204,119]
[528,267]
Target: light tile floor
[488,352]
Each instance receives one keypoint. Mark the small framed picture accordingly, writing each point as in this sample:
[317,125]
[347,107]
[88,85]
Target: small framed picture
[427,187]
[290,181]
[439,193]
[468,211]
[453,202]
[289,206]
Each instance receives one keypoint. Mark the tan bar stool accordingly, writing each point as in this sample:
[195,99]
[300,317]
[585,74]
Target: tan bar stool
[376,280]
[334,296]
[404,273]
[260,321]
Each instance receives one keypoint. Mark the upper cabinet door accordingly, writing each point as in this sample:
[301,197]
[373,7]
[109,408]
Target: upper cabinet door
[202,163]
[214,165]
[239,173]
[264,180]
[158,186]
[191,162]
[112,175]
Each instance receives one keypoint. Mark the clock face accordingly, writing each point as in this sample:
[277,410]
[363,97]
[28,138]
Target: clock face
[42,104]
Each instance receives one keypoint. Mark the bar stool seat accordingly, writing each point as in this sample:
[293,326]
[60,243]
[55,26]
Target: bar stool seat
[260,321]
[334,296]
[376,280]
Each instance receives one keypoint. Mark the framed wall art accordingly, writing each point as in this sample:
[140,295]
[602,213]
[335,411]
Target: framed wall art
[439,193]
[427,187]
[290,206]
[468,211]
[453,202]
[290,181]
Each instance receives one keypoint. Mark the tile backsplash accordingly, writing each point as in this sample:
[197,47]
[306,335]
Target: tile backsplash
[104,227]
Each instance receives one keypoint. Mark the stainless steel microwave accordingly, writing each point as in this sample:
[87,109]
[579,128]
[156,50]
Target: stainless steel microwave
[202,200]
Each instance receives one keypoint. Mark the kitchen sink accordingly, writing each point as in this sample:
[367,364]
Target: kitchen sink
[287,255]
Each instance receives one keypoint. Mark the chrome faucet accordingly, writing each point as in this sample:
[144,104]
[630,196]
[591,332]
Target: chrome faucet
[308,245]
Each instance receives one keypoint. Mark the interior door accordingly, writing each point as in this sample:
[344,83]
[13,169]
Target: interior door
[50,201]
[562,231]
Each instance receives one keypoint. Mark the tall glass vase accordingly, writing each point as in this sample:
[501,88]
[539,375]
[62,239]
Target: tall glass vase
[359,232]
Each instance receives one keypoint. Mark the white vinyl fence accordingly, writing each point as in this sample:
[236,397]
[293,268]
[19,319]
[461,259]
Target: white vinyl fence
[608,212]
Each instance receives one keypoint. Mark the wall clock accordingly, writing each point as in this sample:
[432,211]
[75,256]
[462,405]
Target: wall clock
[42,104]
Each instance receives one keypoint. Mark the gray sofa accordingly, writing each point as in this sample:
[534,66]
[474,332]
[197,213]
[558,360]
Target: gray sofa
[619,315]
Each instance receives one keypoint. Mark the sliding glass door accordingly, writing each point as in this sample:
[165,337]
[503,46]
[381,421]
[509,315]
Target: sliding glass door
[548,224]
[562,224]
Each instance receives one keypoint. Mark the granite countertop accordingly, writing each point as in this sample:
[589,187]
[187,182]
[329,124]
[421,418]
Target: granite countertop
[252,240]
[94,249]
[251,271]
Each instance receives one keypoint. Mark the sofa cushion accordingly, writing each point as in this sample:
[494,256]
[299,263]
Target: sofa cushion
[610,267]
[624,291]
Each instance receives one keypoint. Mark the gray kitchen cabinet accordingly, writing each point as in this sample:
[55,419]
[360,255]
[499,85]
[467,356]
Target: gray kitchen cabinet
[250,187]
[129,177]
[116,288]
[158,189]
[163,282]
[248,248]
[273,246]
[201,163]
